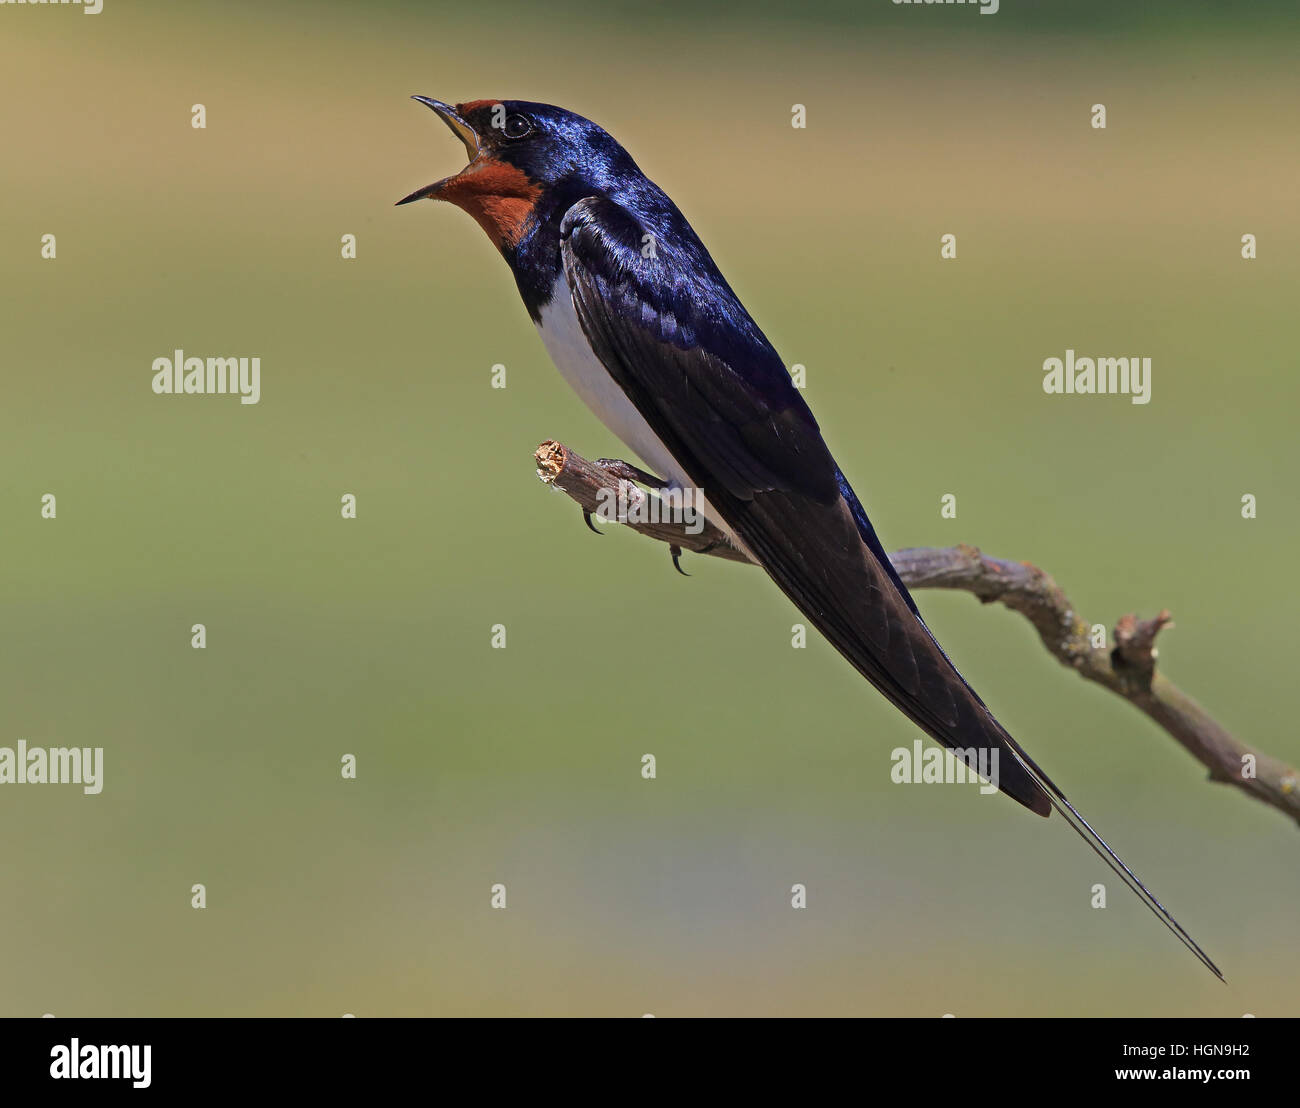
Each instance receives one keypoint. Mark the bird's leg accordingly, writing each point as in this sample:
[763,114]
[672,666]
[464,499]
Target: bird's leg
[628,472]
[625,471]
[628,477]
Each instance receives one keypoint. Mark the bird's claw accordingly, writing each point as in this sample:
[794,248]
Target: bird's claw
[586,515]
[676,552]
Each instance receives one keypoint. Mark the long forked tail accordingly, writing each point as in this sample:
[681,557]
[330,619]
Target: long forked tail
[1028,784]
[857,600]
[1103,851]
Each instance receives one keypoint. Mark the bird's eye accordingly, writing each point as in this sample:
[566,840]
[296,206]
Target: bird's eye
[517,126]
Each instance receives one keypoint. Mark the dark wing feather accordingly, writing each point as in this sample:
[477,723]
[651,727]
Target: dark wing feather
[758,455]
[668,329]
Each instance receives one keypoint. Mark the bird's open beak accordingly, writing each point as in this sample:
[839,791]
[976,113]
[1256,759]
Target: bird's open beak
[461,130]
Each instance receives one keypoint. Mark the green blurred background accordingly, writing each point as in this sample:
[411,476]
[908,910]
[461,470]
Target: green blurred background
[521,766]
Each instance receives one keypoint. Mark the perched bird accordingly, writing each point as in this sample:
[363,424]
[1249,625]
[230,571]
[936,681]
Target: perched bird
[638,319]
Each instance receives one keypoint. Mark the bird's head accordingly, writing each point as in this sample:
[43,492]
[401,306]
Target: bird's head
[523,157]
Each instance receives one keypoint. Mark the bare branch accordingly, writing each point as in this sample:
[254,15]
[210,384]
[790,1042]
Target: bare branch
[1127,669]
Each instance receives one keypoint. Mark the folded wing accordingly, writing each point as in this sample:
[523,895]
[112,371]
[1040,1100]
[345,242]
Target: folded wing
[669,330]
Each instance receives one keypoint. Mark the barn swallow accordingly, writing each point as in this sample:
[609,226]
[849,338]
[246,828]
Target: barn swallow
[638,319]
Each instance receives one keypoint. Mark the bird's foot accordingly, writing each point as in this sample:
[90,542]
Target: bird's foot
[628,472]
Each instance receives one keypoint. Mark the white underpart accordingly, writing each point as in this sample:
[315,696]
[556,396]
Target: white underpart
[563,337]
